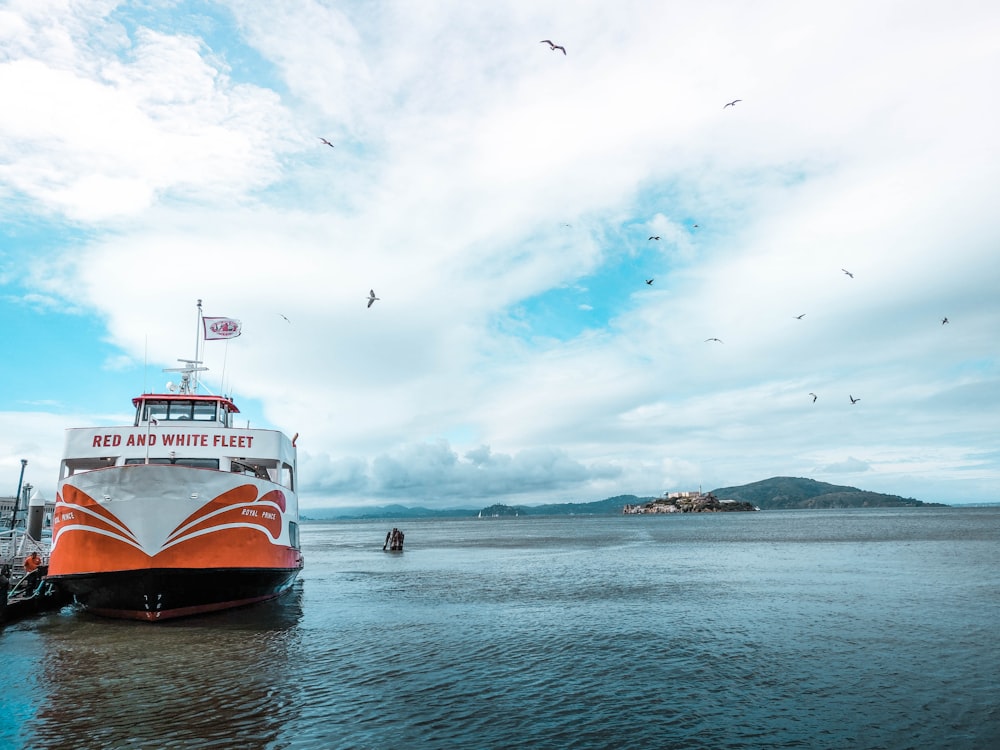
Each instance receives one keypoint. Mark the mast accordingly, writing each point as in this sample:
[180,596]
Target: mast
[189,373]
[197,348]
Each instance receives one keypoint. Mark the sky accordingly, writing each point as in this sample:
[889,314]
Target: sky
[531,343]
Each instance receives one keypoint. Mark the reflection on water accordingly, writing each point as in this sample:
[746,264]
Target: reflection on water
[222,680]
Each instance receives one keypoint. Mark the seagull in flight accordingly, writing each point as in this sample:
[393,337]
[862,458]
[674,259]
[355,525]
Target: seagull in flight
[847,272]
[800,317]
[733,103]
[715,339]
[286,319]
[649,281]
[372,297]
[943,321]
[654,237]
[814,396]
[326,142]
[854,400]
[553,46]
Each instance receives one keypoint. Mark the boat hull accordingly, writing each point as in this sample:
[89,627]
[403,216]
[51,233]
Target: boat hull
[155,542]
[154,595]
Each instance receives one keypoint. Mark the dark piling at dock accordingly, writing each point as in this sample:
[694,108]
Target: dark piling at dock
[46,597]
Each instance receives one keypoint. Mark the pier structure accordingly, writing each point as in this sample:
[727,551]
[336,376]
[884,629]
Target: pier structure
[26,527]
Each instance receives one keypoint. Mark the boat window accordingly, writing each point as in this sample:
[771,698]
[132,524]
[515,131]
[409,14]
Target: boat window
[198,463]
[287,477]
[204,411]
[180,410]
[156,410]
[73,466]
[249,467]
[293,534]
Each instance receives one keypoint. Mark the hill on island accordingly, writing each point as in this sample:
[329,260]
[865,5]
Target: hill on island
[779,493]
[776,493]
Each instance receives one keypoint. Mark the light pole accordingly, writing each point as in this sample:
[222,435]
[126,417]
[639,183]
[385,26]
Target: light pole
[17,497]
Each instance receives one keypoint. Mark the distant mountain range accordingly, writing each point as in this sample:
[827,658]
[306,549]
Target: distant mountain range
[606,507]
[384,511]
[776,493]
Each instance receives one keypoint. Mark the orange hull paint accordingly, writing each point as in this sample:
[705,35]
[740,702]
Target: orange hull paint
[170,541]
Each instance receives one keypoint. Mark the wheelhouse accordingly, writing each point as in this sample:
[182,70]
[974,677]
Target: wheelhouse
[183,408]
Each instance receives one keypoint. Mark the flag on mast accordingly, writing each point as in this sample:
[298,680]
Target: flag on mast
[221,328]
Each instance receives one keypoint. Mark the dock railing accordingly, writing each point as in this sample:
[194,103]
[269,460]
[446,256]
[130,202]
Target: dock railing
[15,545]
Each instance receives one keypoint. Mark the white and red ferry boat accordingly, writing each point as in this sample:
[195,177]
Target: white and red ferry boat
[179,513]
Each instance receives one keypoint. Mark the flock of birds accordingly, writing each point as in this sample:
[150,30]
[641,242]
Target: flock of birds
[371,298]
[649,282]
[944,321]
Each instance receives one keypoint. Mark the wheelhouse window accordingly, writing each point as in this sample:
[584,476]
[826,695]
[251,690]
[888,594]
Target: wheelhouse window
[153,410]
[179,411]
[182,410]
[204,411]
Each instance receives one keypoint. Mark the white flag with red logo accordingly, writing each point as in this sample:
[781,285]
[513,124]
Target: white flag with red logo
[222,328]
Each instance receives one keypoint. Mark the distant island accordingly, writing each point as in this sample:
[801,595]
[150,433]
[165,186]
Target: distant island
[776,493]
[689,502]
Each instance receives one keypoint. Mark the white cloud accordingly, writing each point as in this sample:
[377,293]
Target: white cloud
[102,133]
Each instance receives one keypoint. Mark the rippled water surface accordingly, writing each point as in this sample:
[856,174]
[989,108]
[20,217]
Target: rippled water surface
[811,629]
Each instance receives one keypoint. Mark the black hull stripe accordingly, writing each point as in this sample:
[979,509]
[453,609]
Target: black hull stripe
[161,594]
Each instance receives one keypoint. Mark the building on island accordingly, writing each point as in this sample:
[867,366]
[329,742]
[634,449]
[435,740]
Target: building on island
[688,502]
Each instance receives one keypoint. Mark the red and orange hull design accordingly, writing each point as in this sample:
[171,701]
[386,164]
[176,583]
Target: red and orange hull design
[152,542]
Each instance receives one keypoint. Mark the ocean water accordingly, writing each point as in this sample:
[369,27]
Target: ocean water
[782,629]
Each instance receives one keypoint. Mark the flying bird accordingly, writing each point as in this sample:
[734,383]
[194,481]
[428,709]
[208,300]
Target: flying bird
[372,297]
[814,396]
[733,103]
[854,400]
[800,317]
[649,281]
[943,321]
[847,272]
[715,339]
[326,142]
[553,46]
[286,319]
[655,237]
